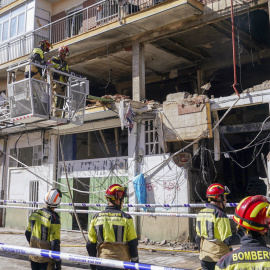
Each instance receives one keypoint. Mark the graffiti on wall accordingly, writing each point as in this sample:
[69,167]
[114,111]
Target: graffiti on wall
[165,192]
[100,167]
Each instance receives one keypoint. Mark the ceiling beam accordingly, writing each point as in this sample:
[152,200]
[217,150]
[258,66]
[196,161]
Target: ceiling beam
[189,47]
[225,28]
[175,49]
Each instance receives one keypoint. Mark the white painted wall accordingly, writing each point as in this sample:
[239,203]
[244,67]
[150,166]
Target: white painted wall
[164,185]
[167,186]
[18,178]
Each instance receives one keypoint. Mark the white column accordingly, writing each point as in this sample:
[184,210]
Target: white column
[138,72]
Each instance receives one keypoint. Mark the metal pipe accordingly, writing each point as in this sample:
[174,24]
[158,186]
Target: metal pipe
[233,47]
[3,184]
[69,190]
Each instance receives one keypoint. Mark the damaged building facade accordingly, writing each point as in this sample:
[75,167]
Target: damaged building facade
[197,104]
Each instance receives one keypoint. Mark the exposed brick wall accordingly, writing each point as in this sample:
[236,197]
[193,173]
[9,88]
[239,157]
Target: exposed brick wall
[88,3]
[58,16]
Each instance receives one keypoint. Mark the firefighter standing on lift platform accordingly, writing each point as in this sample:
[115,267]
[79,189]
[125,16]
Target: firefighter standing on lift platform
[252,214]
[111,233]
[36,56]
[214,236]
[59,88]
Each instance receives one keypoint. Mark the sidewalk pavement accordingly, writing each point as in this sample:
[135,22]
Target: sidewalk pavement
[71,242]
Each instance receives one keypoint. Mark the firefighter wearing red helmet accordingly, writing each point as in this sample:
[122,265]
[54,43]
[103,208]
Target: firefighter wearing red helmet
[214,236]
[36,56]
[252,215]
[59,85]
[43,231]
[111,233]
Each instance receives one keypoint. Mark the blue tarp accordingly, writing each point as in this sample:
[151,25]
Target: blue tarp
[140,188]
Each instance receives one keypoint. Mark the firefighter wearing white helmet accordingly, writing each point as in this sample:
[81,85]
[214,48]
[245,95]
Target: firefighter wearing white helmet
[43,230]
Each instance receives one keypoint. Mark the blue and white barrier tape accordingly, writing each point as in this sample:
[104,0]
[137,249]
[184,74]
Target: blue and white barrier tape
[125,205]
[149,214]
[81,259]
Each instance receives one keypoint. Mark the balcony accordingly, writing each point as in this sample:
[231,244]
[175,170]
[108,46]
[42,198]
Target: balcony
[116,13]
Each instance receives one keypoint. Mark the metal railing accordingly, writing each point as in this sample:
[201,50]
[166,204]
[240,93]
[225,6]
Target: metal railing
[4,3]
[39,96]
[82,21]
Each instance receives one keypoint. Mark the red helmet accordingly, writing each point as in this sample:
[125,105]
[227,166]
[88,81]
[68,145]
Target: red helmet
[46,45]
[116,191]
[253,213]
[64,50]
[215,190]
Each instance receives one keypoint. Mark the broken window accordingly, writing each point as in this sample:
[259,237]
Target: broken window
[152,146]
[112,142]
[30,156]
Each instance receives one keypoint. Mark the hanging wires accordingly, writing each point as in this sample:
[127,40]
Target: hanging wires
[70,195]
[250,38]
[240,50]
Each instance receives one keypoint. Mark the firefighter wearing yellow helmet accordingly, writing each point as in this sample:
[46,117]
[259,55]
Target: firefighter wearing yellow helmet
[111,233]
[252,215]
[43,230]
[214,236]
[37,56]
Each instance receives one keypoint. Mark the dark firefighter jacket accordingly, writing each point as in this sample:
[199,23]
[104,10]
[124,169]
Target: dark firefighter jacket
[214,233]
[253,255]
[43,232]
[112,236]
[57,63]
[36,56]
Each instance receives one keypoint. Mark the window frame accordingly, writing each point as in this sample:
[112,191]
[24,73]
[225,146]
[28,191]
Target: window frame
[9,19]
[37,156]
[152,146]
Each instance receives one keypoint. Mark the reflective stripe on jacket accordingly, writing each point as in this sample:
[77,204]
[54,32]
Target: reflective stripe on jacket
[36,56]
[57,63]
[253,254]
[113,235]
[213,227]
[43,231]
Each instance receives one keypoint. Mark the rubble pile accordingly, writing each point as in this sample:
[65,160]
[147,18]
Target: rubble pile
[263,86]
[175,245]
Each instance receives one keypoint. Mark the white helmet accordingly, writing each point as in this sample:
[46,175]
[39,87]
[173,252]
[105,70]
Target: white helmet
[53,197]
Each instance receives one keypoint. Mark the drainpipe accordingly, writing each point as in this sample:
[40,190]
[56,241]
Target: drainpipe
[55,158]
[234,70]
[3,184]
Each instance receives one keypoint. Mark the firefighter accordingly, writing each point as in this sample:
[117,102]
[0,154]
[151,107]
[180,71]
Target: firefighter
[111,233]
[43,230]
[252,215]
[214,236]
[36,56]
[59,63]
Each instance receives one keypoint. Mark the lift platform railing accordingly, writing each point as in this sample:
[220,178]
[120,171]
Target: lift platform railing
[35,98]
[73,96]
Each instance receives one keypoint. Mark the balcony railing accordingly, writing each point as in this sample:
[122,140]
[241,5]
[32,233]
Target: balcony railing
[82,21]
[89,18]
[4,3]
